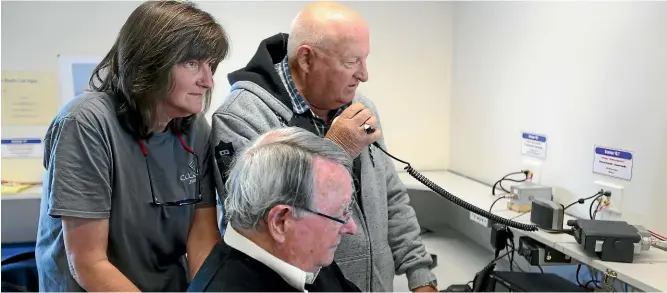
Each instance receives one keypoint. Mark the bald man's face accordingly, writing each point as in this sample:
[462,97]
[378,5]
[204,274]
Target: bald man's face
[336,72]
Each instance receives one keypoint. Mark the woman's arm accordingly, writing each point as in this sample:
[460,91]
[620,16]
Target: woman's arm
[203,236]
[86,245]
[78,161]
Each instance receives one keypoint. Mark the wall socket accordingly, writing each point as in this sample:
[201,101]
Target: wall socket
[608,215]
[534,166]
[616,198]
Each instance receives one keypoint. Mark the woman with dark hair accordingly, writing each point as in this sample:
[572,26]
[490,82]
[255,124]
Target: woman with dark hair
[129,201]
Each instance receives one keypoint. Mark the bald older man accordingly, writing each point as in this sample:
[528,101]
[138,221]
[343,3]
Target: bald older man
[309,78]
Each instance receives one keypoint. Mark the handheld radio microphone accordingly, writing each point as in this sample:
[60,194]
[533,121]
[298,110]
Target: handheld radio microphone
[369,129]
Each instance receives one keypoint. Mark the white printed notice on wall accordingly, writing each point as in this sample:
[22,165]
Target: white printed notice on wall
[534,145]
[22,148]
[613,162]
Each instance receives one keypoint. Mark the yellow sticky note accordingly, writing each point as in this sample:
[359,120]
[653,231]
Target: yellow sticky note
[28,98]
[13,189]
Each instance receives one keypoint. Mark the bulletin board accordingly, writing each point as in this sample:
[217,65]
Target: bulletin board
[30,100]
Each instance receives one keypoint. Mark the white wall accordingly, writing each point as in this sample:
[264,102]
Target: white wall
[583,73]
[409,63]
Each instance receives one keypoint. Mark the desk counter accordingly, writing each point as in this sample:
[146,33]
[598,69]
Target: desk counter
[480,195]
[646,273]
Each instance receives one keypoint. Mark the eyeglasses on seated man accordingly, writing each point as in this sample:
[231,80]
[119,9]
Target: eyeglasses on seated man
[289,202]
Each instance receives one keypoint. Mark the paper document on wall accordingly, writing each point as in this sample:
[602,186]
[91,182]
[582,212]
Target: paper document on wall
[28,98]
[613,162]
[29,103]
[534,145]
[23,169]
[22,148]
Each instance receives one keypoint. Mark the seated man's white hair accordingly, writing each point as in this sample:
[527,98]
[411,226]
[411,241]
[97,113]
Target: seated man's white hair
[276,168]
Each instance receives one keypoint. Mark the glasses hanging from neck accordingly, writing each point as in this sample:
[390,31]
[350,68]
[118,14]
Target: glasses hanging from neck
[183,202]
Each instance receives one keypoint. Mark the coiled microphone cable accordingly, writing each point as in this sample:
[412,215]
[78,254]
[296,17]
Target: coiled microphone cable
[444,193]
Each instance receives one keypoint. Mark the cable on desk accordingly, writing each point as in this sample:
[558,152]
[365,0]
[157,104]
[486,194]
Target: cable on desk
[510,244]
[495,201]
[478,280]
[585,285]
[577,276]
[584,199]
[595,283]
[559,231]
[656,235]
[592,214]
[594,275]
[466,205]
[594,280]
[527,173]
[660,244]
[510,258]
[519,215]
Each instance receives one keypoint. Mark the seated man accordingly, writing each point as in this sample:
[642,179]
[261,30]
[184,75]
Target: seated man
[289,201]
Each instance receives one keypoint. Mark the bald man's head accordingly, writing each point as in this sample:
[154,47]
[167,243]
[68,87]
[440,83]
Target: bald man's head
[325,25]
[327,50]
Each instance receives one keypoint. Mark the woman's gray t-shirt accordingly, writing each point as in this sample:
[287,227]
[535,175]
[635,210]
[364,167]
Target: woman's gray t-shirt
[96,170]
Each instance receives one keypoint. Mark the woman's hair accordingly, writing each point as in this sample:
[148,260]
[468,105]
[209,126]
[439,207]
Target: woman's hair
[155,37]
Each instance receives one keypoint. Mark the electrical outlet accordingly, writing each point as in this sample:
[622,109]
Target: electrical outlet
[534,166]
[608,215]
[616,198]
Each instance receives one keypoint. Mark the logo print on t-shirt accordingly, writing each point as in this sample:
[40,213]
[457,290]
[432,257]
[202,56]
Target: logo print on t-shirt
[193,164]
[191,176]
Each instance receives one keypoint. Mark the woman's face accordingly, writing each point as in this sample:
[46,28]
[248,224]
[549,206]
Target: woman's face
[191,80]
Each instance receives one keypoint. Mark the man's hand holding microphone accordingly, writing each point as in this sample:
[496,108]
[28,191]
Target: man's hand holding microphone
[354,129]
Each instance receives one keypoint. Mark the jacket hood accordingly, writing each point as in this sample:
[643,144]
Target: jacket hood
[261,71]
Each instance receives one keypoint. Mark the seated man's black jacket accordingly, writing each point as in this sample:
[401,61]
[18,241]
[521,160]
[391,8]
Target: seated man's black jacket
[229,270]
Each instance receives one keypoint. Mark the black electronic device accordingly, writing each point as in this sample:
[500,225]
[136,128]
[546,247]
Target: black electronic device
[528,282]
[610,240]
[547,214]
[500,235]
[538,254]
